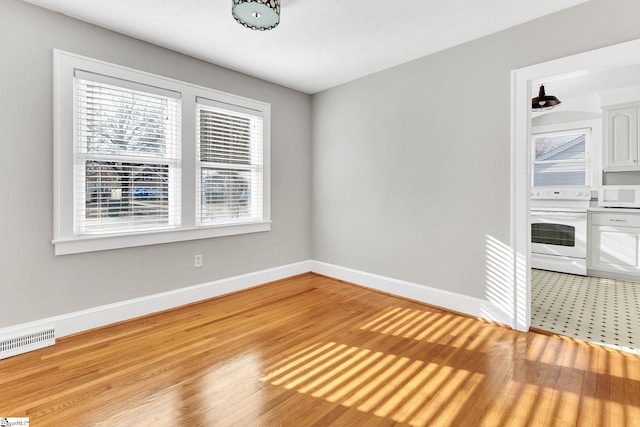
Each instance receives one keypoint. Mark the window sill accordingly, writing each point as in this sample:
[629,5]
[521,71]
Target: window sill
[106,242]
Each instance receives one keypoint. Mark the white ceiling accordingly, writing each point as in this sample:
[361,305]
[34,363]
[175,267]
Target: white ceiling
[319,43]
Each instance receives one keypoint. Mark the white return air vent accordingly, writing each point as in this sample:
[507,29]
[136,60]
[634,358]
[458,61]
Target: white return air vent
[25,341]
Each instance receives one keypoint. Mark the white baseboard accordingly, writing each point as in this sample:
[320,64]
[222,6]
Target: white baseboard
[464,304]
[95,317]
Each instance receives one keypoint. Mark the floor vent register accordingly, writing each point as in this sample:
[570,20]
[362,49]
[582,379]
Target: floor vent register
[25,342]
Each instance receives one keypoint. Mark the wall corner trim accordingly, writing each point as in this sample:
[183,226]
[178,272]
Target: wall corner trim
[475,307]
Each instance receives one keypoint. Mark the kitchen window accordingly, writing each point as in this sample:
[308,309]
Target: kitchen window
[142,159]
[561,158]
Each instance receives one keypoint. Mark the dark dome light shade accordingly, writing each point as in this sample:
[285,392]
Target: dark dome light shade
[543,101]
[257,14]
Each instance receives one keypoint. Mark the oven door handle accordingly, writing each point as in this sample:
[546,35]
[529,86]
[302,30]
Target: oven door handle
[559,214]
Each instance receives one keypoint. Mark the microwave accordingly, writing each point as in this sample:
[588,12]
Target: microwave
[619,196]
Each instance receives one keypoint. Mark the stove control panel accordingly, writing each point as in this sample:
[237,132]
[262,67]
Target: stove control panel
[561,194]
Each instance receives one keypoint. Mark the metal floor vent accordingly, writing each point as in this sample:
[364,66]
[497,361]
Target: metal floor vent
[27,342]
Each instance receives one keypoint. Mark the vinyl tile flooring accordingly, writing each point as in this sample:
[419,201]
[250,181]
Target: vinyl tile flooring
[603,311]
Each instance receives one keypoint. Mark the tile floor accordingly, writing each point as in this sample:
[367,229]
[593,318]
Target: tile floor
[603,311]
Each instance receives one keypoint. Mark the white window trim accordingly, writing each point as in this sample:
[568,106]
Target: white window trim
[64,239]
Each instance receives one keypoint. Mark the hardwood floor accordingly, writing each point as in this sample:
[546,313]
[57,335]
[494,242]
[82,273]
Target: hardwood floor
[312,351]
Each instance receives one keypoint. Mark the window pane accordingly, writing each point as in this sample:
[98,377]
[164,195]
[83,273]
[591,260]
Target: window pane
[119,121]
[560,147]
[559,174]
[125,196]
[225,195]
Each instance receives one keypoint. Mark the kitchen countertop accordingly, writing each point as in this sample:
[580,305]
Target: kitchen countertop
[614,210]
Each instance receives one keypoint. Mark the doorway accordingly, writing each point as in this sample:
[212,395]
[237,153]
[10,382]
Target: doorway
[596,61]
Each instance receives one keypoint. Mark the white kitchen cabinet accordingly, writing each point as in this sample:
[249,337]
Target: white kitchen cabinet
[621,143]
[615,242]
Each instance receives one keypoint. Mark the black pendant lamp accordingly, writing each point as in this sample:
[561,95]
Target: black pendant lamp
[544,102]
[257,14]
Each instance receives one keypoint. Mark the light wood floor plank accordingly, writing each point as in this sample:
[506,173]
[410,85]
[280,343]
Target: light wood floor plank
[313,351]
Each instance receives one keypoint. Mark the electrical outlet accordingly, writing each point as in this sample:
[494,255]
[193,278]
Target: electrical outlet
[197,261]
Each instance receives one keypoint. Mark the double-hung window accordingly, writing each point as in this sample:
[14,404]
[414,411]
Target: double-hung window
[143,159]
[126,156]
[230,163]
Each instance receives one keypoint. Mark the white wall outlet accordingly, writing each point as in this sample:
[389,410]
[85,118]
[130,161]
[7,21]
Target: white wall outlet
[197,261]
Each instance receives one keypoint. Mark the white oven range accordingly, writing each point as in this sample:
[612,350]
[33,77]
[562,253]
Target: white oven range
[559,229]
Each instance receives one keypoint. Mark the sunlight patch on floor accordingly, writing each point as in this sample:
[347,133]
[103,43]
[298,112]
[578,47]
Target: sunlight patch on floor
[386,385]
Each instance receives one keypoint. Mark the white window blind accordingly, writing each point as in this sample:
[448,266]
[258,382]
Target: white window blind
[126,156]
[229,164]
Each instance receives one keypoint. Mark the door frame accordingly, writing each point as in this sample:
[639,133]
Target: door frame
[522,81]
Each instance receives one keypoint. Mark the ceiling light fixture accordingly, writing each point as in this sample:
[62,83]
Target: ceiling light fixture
[544,102]
[257,14]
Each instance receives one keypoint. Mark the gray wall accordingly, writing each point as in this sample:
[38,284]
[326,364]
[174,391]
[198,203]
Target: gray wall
[36,284]
[412,165]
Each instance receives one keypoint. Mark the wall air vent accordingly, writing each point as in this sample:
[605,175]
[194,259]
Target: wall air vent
[26,341]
